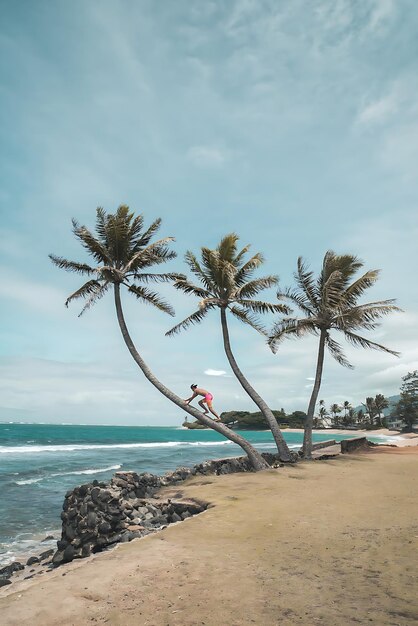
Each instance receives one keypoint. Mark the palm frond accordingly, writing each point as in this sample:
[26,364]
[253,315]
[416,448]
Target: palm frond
[246,271]
[101,225]
[365,316]
[194,318]
[118,227]
[150,297]
[135,231]
[94,297]
[143,240]
[297,297]
[347,264]
[189,288]
[168,277]
[290,327]
[357,340]
[247,317]
[259,306]
[86,290]
[220,271]
[71,266]
[227,247]
[337,352]
[197,270]
[240,255]
[91,244]
[154,254]
[331,290]
[253,287]
[353,292]
[305,281]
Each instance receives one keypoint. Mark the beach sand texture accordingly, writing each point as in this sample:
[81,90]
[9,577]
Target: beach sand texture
[331,543]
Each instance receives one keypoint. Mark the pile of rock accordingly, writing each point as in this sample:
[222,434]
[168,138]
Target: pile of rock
[99,514]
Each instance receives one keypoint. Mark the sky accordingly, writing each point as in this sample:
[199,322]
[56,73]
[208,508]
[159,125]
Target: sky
[293,124]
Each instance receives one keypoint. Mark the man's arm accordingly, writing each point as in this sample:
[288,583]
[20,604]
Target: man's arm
[191,398]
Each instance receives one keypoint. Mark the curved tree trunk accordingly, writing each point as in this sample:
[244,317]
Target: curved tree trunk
[282,447]
[255,457]
[307,435]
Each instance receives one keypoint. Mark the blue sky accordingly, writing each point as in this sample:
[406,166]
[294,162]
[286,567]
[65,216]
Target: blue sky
[294,124]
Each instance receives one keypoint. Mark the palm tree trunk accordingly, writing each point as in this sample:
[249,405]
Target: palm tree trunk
[255,457]
[284,452]
[307,435]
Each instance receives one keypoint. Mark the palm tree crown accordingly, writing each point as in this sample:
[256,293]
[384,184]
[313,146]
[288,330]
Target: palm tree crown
[124,253]
[226,282]
[331,303]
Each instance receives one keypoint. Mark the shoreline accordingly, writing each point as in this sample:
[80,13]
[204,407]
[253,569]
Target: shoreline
[401,439]
[351,551]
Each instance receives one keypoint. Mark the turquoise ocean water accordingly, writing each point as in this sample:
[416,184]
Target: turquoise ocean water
[40,462]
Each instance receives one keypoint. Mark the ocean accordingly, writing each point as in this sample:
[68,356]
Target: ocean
[40,462]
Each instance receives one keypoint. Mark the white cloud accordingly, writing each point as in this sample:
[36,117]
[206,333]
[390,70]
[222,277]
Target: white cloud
[210,372]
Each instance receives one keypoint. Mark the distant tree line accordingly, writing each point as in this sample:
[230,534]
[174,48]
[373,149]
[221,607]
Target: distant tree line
[342,415]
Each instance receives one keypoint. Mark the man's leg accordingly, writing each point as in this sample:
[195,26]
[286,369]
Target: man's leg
[204,407]
[212,410]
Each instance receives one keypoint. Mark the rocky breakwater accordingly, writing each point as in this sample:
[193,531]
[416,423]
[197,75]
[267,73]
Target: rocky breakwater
[98,515]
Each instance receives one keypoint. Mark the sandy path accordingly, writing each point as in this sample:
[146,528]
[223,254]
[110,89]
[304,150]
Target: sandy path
[331,543]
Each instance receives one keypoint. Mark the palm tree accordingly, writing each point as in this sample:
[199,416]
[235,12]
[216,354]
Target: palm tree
[124,253]
[225,284]
[380,403]
[335,409]
[323,413]
[351,416]
[370,407]
[331,303]
[346,408]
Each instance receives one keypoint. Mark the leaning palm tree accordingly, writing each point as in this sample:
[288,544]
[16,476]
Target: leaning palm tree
[124,254]
[225,284]
[331,303]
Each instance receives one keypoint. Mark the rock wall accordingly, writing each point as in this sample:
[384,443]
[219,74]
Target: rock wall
[351,445]
[99,514]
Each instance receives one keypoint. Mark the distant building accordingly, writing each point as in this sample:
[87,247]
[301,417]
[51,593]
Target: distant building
[395,422]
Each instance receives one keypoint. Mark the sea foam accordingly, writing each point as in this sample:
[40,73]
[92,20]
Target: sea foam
[74,447]
[94,470]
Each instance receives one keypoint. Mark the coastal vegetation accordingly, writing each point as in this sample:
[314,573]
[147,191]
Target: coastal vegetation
[227,284]
[330,303]
[407,407]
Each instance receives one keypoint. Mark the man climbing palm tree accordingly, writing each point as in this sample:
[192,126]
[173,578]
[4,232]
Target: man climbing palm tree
[205,402]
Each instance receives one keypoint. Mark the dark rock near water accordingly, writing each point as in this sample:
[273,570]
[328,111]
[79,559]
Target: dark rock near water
[4,582]
[9,570]
[46,554]
[48,538]
[32,560]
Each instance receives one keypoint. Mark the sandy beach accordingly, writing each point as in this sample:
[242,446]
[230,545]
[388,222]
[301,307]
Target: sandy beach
[330,542]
